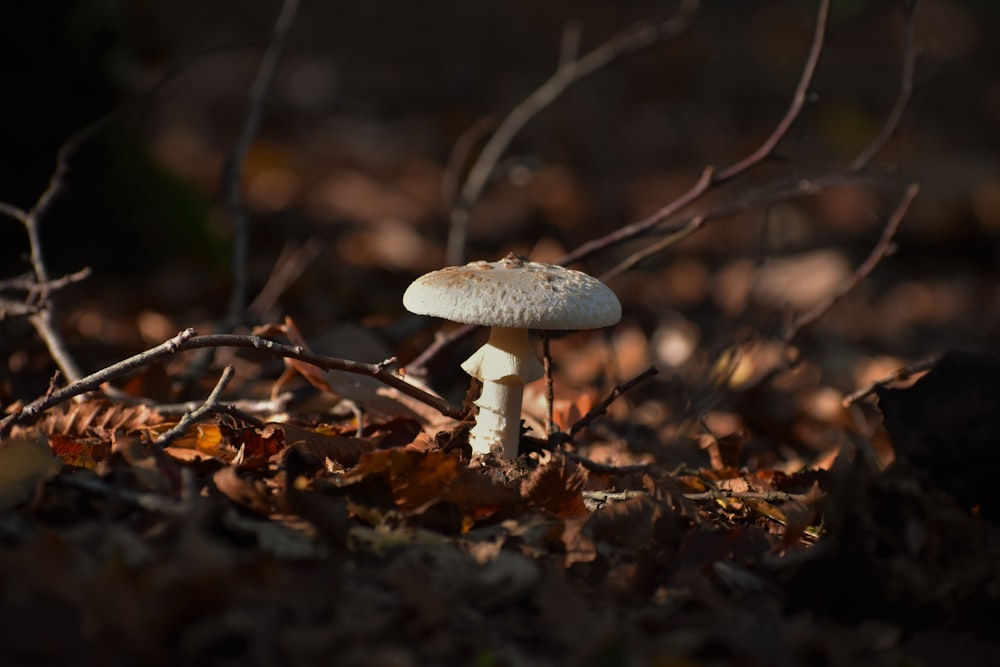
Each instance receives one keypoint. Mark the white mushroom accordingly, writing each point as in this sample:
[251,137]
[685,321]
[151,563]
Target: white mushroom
[511,296]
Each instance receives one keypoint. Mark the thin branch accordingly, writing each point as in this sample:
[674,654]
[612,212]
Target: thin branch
[607,468]
[898,375]
[289,266]
[567,73]
[210,406]
[768,496]
[233,170]
[710,177]
[442,341]
[602,407]
[883,248]
[188,340]
[549,391]
[766,149]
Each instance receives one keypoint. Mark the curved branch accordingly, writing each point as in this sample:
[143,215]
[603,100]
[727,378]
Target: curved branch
[189,340]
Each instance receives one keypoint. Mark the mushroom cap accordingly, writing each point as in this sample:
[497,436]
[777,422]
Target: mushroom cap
[514,292]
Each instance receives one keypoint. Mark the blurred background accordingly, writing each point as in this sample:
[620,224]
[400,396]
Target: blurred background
[351,165]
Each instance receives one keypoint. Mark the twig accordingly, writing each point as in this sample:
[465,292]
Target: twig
[567,73]
[287,269]
[711,178]
[769,496]
[188,340]
[766,149]
[805,187]
[210,406]
[40,307]
[441,342]
[606,468]
[233,170]
[883,248]
[549,391]
[602,407]
[898,375]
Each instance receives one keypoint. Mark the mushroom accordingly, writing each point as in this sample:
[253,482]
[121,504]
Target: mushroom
[512,296]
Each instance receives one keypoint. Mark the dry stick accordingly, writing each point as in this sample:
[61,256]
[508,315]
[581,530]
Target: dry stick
[804,187]
[769,496]
[711,178]
[602,407]
[188,340]
[549,392]
[287,269]
[41,309]
[607,468]
[210,406]
[883,248]
[898,375]
[567,73]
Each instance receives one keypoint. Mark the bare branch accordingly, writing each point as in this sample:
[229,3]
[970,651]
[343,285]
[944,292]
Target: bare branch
[188,340]
[766,149]
[602,407]
[567,73]
[883,248]
[710,177]
[210,406]
[898,375]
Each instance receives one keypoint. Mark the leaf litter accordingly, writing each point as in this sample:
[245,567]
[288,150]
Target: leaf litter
[292,541]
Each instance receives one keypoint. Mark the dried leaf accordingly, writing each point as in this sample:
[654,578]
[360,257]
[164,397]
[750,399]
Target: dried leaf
[244,492]
[556,487]
[346,451]
[419,480]
[95,417]
[314,375]
[256,445]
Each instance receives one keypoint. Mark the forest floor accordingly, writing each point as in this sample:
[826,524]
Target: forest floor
[784,454]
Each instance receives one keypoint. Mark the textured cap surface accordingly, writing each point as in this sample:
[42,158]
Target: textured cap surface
[514,293]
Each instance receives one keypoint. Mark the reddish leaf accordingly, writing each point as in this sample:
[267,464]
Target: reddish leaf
[420,480]
[257,444]
[556,487]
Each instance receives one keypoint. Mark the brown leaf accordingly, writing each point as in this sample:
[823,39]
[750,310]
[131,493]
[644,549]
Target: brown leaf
[346,451]
[244,492]
[556,487]
[627,525]
[314,375]
[257,444]
[94,417]
[419,480]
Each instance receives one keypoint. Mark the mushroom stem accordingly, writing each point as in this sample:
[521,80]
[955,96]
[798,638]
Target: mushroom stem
[498,424]
[504,365]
